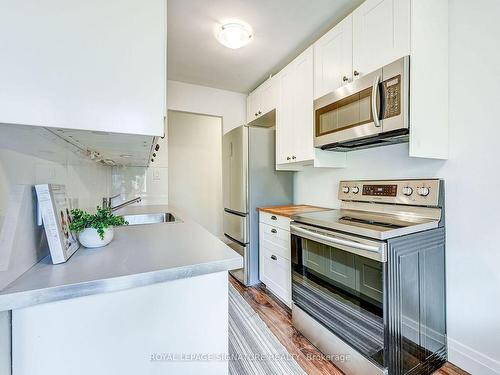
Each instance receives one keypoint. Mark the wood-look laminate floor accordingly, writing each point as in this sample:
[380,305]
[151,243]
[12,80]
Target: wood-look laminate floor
[278,318]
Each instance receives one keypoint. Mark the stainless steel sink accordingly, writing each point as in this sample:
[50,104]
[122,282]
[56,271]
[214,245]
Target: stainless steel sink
[156,218]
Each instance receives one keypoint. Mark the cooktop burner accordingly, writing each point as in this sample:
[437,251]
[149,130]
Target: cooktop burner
[378,225]
[349,219]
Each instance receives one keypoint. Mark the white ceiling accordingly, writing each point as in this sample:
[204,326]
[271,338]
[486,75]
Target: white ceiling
[282,29]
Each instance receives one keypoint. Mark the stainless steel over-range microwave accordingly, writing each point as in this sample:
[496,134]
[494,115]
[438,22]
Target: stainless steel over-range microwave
[372,110]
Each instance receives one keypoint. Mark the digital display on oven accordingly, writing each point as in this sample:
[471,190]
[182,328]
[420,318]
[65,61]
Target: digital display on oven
[380,190]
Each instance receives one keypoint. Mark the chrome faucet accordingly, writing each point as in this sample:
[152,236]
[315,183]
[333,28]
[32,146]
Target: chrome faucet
[107,202]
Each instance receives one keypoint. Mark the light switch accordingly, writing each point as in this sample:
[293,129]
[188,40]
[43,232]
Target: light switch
[156,175]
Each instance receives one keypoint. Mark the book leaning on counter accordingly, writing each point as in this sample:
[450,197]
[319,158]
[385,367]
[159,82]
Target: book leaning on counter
[54,210]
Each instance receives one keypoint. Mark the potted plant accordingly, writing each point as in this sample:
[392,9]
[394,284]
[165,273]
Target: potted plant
[95,230]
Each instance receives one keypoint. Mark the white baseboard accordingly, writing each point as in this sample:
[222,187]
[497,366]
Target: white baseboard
[471,360]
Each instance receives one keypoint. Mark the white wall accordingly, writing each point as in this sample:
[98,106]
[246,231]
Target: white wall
[472,177]
[195,170]
[152,183]
[229,105]
[30,156]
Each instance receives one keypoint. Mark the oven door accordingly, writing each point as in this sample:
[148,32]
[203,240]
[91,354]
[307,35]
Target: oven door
[373,104]
[338,279]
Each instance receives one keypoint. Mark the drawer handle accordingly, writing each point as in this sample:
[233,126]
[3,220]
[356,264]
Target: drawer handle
[274,218]
[273,257]
[274,231]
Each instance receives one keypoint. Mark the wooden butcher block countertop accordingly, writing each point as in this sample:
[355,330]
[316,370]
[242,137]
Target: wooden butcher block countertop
[291,210]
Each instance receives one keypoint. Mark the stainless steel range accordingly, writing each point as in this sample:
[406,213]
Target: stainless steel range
[368,280]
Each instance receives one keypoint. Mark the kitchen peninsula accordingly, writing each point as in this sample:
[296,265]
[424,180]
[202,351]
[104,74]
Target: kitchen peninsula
[156,293]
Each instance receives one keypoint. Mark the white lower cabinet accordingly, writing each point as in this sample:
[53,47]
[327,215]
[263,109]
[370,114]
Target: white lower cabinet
[275,256]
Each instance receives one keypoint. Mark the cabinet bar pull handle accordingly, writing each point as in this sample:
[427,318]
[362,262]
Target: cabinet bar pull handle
[274,231]
[274,218]
[273,257]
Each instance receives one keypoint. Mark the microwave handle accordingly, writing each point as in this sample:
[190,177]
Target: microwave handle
[375,93]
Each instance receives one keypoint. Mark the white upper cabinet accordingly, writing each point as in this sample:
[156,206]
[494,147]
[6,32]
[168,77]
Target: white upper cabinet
[90,65]
[333,58]
[381,34]
[294,119]
[303,107]
[285,137]
[261,102]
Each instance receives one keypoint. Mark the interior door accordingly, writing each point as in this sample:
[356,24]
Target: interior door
[235,165]
[381,34]
[333,58]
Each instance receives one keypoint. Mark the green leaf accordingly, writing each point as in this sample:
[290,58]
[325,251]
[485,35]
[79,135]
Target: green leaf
[102,219]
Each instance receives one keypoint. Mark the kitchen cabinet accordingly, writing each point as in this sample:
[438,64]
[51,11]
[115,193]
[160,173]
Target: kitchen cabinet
[275,267]
[87,65]
[381,34]
[333,58]
[261,102]
[295,121]
[383,31]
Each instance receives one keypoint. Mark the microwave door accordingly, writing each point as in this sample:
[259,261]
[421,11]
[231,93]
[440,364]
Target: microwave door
[350,112]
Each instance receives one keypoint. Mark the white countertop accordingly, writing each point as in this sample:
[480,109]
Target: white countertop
[139,255]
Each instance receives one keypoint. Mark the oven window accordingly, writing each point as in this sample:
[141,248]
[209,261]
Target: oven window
[341,290]
[346,113]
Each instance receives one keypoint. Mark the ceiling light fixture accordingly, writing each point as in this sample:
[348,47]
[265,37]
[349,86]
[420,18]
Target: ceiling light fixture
[234,35]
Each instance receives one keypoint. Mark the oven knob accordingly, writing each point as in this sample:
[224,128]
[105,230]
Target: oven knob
[345,190]
[423,191]
[355,190]
[407,191]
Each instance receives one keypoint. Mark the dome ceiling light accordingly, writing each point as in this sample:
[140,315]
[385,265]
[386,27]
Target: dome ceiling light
[234,35]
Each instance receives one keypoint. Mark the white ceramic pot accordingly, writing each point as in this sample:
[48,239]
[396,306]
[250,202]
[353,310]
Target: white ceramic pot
[90,238]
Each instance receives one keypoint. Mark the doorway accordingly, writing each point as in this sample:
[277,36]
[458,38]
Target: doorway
[195,167]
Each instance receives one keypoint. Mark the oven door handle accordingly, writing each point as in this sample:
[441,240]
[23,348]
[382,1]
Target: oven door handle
[335,240]
[375,92]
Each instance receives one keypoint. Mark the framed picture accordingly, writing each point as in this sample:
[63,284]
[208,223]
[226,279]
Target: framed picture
[55,210]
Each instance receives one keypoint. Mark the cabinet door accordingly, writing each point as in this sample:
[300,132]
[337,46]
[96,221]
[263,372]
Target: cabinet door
[381,34]
[252,104]
[333,58]
[269,95]
[341,267]
[303,108]
[88,65]
[285,116]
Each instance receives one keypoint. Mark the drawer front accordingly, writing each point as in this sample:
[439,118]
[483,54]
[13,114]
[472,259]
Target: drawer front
[275,220]
[276,274]
[275,239]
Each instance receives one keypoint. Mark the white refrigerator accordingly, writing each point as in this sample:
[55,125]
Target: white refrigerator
[250,180]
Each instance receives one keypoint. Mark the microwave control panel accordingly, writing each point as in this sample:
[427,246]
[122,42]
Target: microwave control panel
[392,96]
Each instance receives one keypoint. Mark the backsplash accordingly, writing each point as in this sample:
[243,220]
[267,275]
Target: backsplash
[151,183]
[29,156]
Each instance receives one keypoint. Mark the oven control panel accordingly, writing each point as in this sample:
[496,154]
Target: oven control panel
[418,192]
[380,190]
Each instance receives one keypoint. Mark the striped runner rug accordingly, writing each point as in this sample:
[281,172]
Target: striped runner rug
[253,348]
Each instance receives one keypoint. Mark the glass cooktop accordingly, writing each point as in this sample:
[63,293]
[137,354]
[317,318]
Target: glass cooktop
[368,224]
